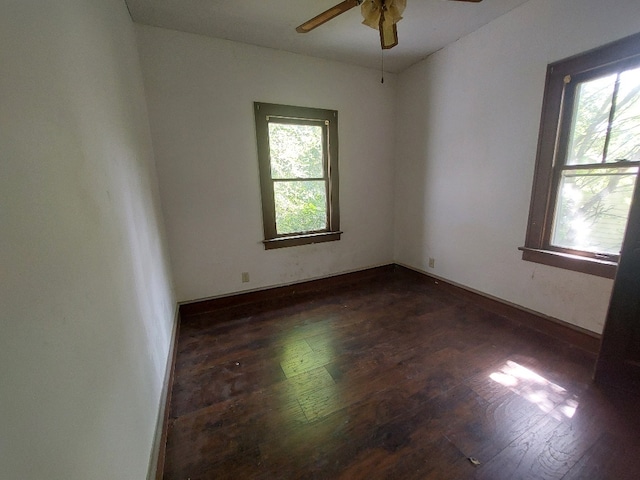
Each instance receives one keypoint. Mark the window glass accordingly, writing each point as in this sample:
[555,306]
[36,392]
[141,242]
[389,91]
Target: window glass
[592,204]
[625,129]
[590,120]
[300,206]
[296,150]
[592,209]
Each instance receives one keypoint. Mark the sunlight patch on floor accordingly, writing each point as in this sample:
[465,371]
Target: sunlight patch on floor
[547,396]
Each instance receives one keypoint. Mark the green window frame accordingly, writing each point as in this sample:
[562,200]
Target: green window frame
[557,167]
[299,185]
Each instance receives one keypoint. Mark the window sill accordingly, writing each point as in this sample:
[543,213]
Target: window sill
[591,266]
[306,239]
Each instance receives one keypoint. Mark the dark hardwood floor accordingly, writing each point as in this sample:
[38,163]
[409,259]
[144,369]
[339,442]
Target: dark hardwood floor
[391,377]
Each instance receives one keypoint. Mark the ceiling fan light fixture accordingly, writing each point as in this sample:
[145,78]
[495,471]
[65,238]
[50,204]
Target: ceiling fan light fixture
[372,11]
[383,16]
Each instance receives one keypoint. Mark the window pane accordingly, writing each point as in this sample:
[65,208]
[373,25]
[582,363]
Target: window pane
[590,121]
[296,151]
[300,206]
[592,209]
[625,131]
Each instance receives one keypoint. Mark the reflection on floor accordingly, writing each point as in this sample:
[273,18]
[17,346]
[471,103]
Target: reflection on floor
[394,378]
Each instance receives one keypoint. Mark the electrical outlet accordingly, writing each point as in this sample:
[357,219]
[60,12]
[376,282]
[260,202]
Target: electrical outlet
[245,277]
[432,262]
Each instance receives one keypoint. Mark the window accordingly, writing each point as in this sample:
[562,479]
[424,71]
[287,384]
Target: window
[588,159]
[298,159]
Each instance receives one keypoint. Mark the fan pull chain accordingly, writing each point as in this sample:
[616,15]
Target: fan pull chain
[382,66]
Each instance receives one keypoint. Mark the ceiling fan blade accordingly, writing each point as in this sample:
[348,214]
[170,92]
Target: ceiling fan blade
[474,1]
[327,15]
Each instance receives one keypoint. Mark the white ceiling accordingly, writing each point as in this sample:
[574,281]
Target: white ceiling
[427,26]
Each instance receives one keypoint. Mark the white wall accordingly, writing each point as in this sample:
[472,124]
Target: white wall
[87,303]
[468,129]
[200,94]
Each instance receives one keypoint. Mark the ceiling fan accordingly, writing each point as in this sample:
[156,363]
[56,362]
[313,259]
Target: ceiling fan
[379,14]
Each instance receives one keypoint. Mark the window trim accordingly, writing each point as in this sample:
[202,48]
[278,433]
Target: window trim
[552,143]
[329,119]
